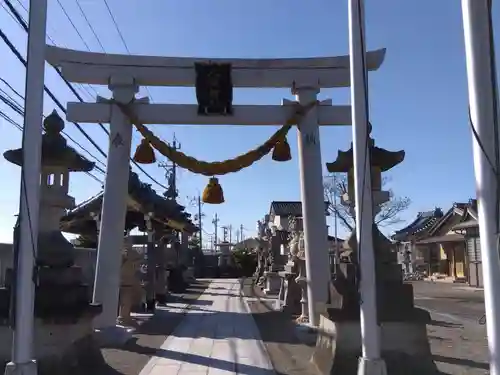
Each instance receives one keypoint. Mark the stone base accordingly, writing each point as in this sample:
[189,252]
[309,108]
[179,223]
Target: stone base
[150,306]
[76,359]
[290,293]
[50,339]
[371,366]
[161,298]
[273,283]
[405,348]
[188,275]
[29,368]
[113,336]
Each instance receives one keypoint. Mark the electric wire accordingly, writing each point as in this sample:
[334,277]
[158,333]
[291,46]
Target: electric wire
[113,19]
[84,14]
[20,127]
[18,108]
[73,24]
[20,24]
[19,56]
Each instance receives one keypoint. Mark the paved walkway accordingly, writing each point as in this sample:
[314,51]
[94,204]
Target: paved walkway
[217,336]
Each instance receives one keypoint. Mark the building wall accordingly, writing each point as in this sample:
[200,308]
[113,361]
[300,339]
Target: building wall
[474,262]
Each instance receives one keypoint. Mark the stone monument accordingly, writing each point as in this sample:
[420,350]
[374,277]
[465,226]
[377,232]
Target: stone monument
[292,295]
[261,251]
[131,290]
[63,308]
[275,261]
[404,342]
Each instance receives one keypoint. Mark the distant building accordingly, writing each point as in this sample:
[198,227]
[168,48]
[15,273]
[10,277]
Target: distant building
[411,255]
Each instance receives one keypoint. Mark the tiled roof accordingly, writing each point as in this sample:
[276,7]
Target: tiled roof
[450,215]
[289,208]
[423,221]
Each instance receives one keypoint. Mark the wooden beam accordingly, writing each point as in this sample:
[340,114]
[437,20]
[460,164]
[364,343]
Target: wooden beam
[98,68]
[187,114]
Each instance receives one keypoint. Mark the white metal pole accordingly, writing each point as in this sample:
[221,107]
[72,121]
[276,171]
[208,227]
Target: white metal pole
[480,70]
[335,223]
[22,351]
[313,206]
[370,362]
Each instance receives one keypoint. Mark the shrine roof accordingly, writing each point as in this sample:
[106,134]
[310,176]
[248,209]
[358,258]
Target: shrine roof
[142,200]
[55,150]
[423,222]
[290,208]
[452,216]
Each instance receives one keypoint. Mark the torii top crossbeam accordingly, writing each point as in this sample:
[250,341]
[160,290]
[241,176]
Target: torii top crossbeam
[97,68]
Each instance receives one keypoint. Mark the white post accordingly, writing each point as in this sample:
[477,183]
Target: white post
[370,362]
[336,254]
[114,206]
[22,351]
[151,255]
[313,206]
[483,104]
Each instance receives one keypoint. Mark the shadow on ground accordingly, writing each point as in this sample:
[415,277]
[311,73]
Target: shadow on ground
[149,336]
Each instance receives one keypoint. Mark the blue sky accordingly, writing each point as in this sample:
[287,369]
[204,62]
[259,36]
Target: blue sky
[418,98]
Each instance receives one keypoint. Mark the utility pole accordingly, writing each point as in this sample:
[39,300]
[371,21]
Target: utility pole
[483,115]
[200,223]
[215,222]
[225,232]
[371,361]
[230,234]
[171,173]
[241,232]
[22,352]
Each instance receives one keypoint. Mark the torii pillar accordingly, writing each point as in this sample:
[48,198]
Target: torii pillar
[114,208]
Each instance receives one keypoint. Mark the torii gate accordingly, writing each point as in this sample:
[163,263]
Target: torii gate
[124,74]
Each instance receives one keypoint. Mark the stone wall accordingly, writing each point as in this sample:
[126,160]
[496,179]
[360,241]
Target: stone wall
[84,258]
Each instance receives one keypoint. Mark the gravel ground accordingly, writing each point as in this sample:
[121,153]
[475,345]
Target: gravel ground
[458,341]
[288,350]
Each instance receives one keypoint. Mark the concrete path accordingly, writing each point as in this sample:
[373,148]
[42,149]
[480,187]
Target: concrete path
[217,336]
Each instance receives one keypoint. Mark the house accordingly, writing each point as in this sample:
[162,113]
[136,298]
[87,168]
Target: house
[279,216]
[446,247]
[412,255]
[280,213]
[469,228]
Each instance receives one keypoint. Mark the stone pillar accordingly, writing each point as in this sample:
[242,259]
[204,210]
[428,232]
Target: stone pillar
[114,206]
[161,275]
[313,205]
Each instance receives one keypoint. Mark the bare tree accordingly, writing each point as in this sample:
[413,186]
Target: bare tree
[390,211]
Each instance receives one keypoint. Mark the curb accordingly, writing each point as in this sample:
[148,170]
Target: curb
[258,338]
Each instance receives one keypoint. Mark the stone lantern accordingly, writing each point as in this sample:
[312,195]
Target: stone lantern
[381,161]
[63,308]
[396,312]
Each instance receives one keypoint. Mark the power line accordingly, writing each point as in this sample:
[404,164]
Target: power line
[82,11]
[56,101]
[18,108]
[20,127]
[73,24]
[113,19]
